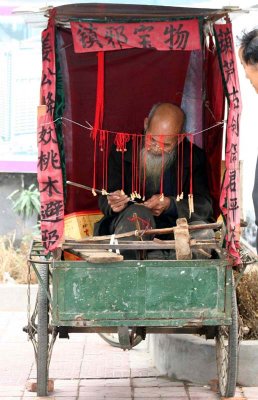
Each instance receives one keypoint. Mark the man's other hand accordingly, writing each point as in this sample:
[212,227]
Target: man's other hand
[118,200]
[157,204]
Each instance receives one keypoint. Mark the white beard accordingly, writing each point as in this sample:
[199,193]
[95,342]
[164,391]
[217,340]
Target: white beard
[153,166]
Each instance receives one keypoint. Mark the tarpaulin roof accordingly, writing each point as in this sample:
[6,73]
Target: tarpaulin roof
[127,11]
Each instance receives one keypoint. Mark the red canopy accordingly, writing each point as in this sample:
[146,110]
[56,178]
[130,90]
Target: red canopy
[135,78]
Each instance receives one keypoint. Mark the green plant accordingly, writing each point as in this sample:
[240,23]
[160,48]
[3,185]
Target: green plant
[26,202]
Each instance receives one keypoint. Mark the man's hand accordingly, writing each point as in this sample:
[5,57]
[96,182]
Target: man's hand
[118,200]
[157,205]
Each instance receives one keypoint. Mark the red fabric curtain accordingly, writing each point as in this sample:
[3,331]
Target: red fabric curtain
[135,79]
[213,113]
[49,164]
[230,200]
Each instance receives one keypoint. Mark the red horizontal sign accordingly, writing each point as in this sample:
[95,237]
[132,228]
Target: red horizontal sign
[170,35]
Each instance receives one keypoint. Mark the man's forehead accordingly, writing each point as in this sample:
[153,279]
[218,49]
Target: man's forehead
[163,137]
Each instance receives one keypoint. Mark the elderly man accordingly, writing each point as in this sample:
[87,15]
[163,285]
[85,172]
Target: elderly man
[248,54]
[162,126]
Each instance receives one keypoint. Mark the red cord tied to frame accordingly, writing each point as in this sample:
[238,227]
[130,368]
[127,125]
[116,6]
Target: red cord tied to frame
[121,139]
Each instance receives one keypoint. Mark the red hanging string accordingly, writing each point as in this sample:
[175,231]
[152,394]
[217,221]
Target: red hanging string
[123,171]
[102,136]
[161,141]
[120,141]
[178,167]
[182,136]
[148,138]
[102,146]
[191,164]
[99,109]
[133,162]
[190,196]
[136,164]
[106,164]
[94,166]
[140,138]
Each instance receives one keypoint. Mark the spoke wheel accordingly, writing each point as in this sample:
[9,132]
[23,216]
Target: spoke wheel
[227,347]
[42,330]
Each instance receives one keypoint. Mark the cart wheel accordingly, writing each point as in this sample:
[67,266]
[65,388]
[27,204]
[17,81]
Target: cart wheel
[227,347]
[42,351]
[112,338]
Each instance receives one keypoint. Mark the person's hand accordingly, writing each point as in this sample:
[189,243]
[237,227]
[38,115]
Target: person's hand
[118,200]
[157,204]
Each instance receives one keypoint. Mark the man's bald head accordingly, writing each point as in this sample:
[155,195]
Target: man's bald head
[169,113]
[164,123]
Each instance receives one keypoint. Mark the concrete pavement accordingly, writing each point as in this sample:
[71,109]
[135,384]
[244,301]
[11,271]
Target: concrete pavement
[86,367]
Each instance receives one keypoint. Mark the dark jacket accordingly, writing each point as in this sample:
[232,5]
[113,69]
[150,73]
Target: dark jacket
[255,201]
[177,209]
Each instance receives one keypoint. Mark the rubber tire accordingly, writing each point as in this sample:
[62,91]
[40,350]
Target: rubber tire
[115,343]
[42,353]
[227,386]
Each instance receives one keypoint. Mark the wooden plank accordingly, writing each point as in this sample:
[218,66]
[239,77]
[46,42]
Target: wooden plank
[136,233]
[138,245]
[182,240]
[100,256]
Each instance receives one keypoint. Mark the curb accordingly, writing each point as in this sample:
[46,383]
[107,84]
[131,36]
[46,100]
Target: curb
[193,358]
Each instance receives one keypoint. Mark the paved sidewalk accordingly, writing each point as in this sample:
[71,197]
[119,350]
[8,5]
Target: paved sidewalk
[86,367]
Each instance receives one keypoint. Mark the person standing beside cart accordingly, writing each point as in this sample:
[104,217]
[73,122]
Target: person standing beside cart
[248,54]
